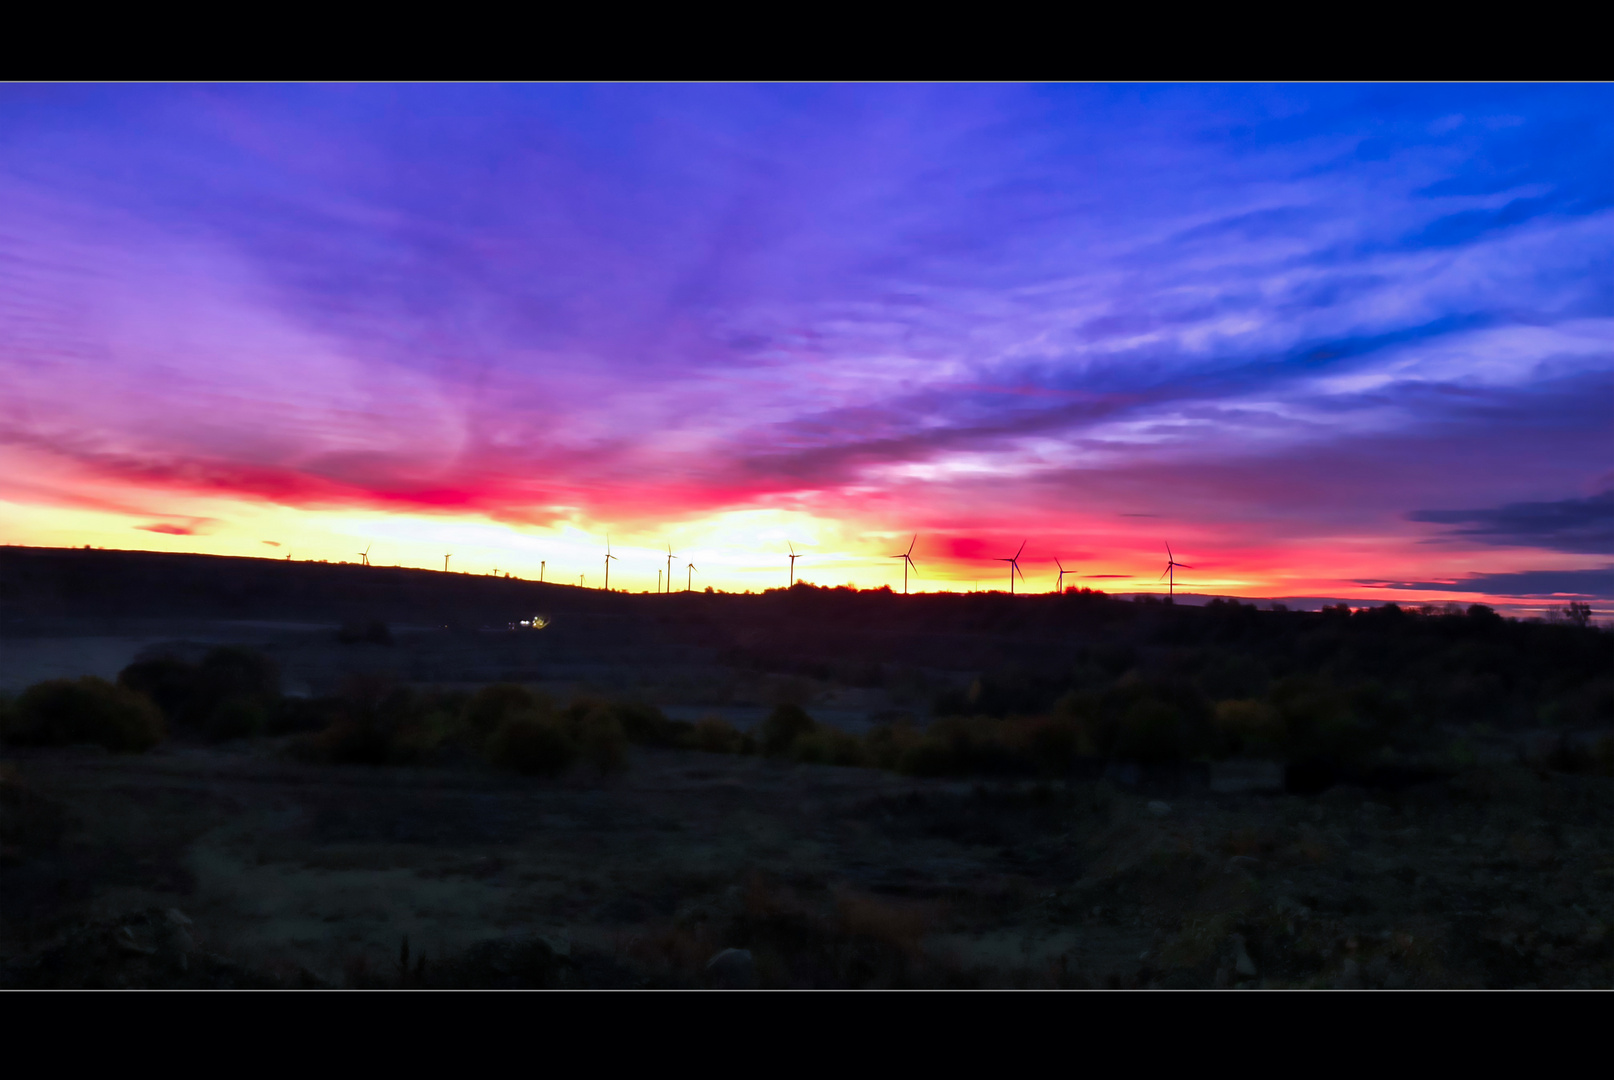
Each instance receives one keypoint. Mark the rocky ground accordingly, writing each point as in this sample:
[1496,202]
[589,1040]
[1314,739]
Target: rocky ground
[234,867]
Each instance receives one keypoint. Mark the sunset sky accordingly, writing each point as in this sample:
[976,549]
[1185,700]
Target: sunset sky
[1349,342]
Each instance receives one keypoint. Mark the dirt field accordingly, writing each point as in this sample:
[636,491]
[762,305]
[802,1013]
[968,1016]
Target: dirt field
[314,875]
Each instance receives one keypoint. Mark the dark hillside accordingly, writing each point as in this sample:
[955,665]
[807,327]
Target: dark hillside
[1024,654]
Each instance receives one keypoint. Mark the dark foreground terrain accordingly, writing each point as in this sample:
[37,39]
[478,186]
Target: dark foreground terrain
[291,775]
[215,867]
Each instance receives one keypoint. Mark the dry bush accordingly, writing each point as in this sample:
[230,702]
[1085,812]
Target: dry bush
[60,712]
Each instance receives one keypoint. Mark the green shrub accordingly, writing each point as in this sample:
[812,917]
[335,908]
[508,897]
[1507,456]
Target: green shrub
[166,680]
[532,744]
[646,724]
[782,727]
[828,746]
[491,706]
[885,745]
[929,756]
[716,736]
[232,693]
[1250,726]
[87,710]
[237,718]
[601,741]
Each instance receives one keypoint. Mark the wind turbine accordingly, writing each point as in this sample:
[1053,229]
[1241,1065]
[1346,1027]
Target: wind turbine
[689,579]
[1014,567]
[907,561]
[658,581]
[670,558]
[445,562]
[541,564]
[608,560]
[793,558]
[1172,564]
[1060,588]
[365,555]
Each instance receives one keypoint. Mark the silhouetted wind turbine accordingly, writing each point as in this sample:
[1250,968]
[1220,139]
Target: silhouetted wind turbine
[658,581]
[445,561]
[793,558]
[365,555]
[689,579]
[609,558]
[541,564]
[1014,567]
[1060,588]
[907,561]
[670,558]
[1172,564]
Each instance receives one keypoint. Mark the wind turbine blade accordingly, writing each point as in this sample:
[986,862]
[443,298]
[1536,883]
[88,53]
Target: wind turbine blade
[1183,566]
[1163,574]
[1017,554]
[911,543]
[1059,564]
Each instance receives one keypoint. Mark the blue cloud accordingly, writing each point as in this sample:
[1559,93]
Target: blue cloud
[1590,584]
[1578,525]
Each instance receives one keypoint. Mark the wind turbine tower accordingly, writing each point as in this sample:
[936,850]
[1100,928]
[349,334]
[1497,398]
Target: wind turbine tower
[670,558]
[907,563]
[609,558]
[1014,566]
[445,562]
[364,556]
[1060,588]
[1171,565]
[793,558]
[689,579]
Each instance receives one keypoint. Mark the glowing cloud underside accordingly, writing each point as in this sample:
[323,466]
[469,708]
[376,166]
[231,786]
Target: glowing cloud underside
[1326,341]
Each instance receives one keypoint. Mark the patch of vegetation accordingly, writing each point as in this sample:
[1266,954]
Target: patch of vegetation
[233,693]
[62,712]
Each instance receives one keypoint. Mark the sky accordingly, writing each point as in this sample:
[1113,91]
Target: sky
[1337,341]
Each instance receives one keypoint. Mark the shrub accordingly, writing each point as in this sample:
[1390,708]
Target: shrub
[601,741]
[233,692]
[828,746]
[167,680]
[1249,726]
[645,724]
[86,710]
[928,756]
[531,744]
[237,718]
[783,726]
[716,736]
[491,706]
[885,745]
